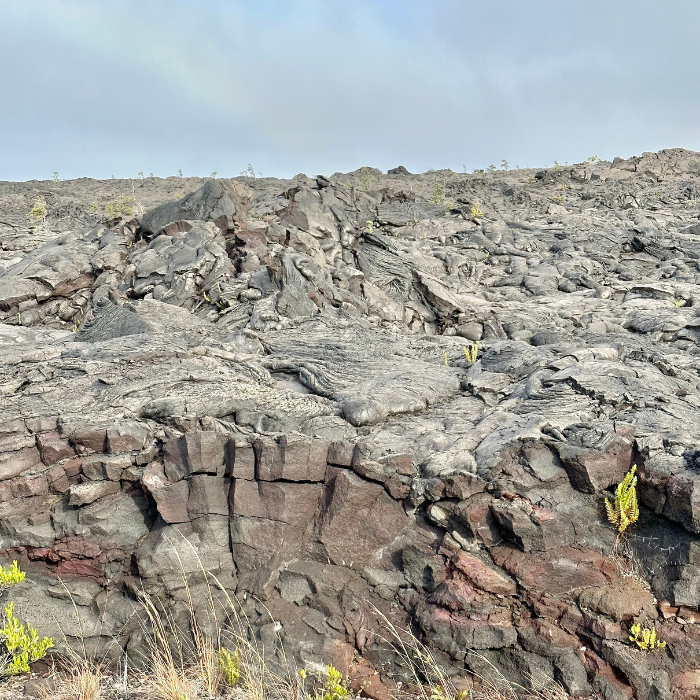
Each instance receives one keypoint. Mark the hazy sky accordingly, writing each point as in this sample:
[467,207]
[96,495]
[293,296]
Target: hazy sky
[113,87]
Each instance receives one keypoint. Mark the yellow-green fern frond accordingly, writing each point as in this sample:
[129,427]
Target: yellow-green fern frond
[625,511]
[645,638]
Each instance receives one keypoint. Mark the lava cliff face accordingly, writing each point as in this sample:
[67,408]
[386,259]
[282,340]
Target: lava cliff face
[364,394]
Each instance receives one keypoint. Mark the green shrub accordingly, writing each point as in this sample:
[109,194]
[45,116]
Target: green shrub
[11,576]
[437,194]
[471,352]
[39,211]
[22,643]
[121,206]
[231,665]
[333,687]
[645,639]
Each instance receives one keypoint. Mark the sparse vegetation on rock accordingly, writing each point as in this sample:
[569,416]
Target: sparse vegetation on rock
[264,387]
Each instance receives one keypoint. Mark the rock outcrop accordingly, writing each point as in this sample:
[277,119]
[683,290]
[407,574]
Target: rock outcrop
[271,380]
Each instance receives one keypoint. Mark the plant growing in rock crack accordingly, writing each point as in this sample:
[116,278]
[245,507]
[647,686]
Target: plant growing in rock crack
[437,194]
[11,576]
[333,687]
[625,510]
[471,352]
[645,638]
[39,211]
[121,206]
[475,212]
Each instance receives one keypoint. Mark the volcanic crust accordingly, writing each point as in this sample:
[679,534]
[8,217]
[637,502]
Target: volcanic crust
[268,379]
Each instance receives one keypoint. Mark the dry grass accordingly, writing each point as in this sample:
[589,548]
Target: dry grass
[75,680]
[190,665]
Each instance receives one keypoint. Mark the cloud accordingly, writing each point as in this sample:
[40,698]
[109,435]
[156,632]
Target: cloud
[319,86]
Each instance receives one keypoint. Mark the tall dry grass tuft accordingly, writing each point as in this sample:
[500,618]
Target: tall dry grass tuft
[77,680]
[218,655]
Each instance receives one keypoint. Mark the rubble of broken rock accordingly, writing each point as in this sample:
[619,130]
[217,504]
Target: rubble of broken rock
[270,374]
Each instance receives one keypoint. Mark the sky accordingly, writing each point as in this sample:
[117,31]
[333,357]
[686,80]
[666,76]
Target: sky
[103,88]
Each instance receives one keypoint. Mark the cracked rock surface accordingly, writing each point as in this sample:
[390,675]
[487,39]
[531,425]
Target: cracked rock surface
[402,392]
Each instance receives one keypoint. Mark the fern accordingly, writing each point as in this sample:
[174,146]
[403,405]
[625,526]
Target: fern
[471,352]
[645,639]
[625,511]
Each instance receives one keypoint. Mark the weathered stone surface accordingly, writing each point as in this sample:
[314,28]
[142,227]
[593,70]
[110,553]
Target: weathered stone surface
[18,461]
[281,378]
[90,491]
[482,576]
[292,458]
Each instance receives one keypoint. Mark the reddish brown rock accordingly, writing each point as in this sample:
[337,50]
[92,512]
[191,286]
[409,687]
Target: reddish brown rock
[126,437]
[53,448]
[556,571]
[295,504]
[102,467]
[30,486]
[208,495]
[477,515]
[360,520]
[171,501]
[199,452]
[58,481]
[81,494]
[292,458]
[14,463]
[241,459]
[625,601]
[340,453]
[592,470]
[482,576]
[90,437]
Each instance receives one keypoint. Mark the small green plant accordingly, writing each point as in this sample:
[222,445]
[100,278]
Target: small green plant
[445,360]
[11,575]
[141,175]
[179,172]
[333,686]
[471,352]
[437,194]
[39,211]
[94,207]
[231,666]
[559,199]
[593,160]
[250,172]
[475,212]
[438,693]
[505,165]
[214,174]
[121,206]
[366,177]
[492,168]
[55,177]
[370,227]
[22,643]
[645,638]
[625,511]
